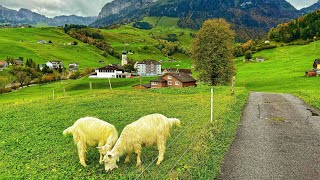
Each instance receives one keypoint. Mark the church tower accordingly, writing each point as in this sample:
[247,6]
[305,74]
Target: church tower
[124,60]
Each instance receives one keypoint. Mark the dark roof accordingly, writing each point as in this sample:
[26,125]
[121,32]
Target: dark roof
[316,62]
[110,68]
[160,80]
[144,85]
[187,71]
[148,62]
[183,77]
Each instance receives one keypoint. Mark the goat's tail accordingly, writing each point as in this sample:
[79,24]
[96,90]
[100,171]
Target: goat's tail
[174,121]
[69,130]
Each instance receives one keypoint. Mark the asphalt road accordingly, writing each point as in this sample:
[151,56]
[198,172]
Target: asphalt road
[277,138]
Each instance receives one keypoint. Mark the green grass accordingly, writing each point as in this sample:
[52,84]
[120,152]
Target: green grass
[282,72]
[129,38]
[22,42]
[32,144]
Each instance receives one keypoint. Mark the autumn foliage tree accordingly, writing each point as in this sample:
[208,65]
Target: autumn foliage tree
[212,52]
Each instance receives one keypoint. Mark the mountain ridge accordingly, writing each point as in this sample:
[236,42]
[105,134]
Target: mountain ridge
[250,18]
[26,16]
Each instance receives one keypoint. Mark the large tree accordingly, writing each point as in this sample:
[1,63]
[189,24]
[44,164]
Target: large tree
[212,52]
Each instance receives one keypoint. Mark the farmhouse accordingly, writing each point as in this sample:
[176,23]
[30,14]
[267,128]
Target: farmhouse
[74,67]
[42,42]
[260,59]
[148,68]
[55,64]
[18,62]
[316,64]
[176,80]
[111,71]
[3,65]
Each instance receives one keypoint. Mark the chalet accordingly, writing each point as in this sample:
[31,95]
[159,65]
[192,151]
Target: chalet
[42,42]
[3,65]
[148,68]
[110,71]
[74,67]
[17,62]
[55,64]
[316,64]
[176,80]
[260,59]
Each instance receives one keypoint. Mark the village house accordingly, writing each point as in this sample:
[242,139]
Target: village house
[42,42]
[148,68]
[176,80]
[74,67]
[17,62]
[55,64]
[111,71]
[3,65]
[260,59]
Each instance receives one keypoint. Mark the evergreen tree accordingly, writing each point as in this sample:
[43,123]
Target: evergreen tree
[212,52]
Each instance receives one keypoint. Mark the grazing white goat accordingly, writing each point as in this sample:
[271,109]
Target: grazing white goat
[148,130]
[90,131]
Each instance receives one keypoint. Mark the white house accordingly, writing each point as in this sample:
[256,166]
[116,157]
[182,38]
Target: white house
[149,68]
[3,65]
[109,72]
[54,64]
[73,66]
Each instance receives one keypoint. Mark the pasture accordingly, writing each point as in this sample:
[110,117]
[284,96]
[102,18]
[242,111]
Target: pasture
[23,42]
[283,72]
[32,144]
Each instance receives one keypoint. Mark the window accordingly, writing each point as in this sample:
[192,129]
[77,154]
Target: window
[169,77]
[154,83]
[177,83]
[169,82]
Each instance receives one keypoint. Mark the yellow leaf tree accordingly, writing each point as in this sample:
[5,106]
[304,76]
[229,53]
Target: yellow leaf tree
[212,52]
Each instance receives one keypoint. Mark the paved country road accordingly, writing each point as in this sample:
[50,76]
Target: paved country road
[277,138]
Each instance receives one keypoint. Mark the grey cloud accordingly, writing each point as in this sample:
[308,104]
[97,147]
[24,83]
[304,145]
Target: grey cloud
[52,8]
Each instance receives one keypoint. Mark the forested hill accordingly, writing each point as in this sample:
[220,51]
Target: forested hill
[305,27]
[250,19]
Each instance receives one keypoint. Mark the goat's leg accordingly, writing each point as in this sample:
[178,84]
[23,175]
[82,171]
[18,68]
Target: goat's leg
[161,149]
[127,160]
[137,150]
[82,153]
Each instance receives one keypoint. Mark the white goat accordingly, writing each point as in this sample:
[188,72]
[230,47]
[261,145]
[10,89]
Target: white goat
[148,130]
[90,131]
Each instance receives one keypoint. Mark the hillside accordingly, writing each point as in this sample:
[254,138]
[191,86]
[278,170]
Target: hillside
[26,16]
[250,19]
[23,42]
[143,42]
[283,71]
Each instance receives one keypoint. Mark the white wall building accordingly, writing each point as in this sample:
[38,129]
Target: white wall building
[109,72]
[148,68]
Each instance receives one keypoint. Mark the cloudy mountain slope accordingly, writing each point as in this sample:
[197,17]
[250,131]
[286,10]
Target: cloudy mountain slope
[28,17]
[250,18]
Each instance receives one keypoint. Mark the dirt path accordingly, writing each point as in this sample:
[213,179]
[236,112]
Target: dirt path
[278,138]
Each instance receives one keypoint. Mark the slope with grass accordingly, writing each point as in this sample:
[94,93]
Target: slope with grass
[32,144]
[23,42]
[143,42]
[283,72]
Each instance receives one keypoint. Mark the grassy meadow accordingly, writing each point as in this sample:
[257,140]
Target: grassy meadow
[32,144]
[143,42]
[23,42]
[283,71]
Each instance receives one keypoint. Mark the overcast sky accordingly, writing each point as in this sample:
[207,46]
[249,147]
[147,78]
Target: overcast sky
[52,8]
